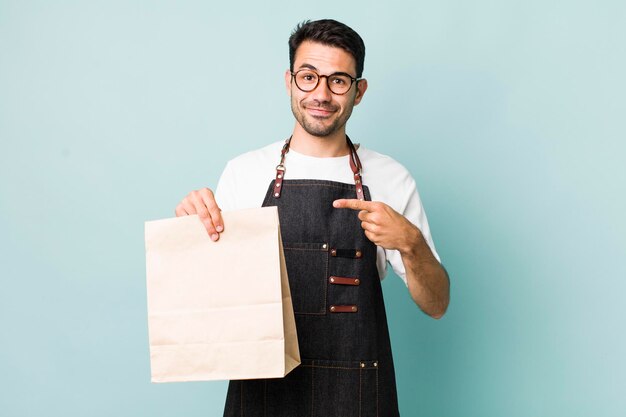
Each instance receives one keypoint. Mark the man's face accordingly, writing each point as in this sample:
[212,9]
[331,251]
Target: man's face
[320,112]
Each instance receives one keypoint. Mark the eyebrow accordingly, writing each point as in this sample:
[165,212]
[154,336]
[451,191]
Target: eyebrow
[311,67]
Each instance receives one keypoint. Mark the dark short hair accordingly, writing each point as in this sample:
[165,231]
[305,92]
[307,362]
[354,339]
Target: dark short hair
[332,33]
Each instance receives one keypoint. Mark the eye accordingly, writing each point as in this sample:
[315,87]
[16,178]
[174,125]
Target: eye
[339,80]
[307,77]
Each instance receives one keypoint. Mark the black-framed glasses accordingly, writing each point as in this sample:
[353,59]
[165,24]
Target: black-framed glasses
[338,83]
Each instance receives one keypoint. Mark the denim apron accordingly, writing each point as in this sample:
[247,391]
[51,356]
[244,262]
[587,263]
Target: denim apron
[347,367]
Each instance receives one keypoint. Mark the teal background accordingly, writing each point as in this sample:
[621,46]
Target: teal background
[510,115]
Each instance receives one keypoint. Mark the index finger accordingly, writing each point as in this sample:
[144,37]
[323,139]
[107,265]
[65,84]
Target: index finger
[353,203]
[214,211]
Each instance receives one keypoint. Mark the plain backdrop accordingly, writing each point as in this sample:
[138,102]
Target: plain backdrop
[509,114]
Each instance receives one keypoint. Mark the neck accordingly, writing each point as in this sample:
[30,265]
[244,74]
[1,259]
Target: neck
[319,146]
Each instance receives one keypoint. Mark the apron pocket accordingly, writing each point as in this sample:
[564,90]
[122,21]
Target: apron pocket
[344,388]
[307,267]
[289,396]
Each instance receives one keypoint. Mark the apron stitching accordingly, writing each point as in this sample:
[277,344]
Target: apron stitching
[312,387]
[326,285]
[360,389]
[294,183]
[377,390]
[333,367]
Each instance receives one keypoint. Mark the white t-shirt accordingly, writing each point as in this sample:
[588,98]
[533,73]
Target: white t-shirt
[245,180]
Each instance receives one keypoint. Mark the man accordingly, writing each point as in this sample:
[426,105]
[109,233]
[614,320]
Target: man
[345,211]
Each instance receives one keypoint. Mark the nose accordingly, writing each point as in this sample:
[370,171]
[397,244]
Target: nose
[322,92]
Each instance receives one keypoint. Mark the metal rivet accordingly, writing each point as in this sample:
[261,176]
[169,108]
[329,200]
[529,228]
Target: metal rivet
[332,308]
[375,364]
[353,308]
[324,246]
[277,185]
[333,252]
[332,279]
[362,365]
[280,175]
[358,254]
[276,195]
[358,190]
[357,281]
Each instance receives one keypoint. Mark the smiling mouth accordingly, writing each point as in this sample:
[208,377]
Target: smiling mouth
[319,112]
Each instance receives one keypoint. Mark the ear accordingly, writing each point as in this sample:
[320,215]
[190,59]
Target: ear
[288,82]
[361,87]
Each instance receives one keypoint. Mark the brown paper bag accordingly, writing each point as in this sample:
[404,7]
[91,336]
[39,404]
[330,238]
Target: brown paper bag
[219,310]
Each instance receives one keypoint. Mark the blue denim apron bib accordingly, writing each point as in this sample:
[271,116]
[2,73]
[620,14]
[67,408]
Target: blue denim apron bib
[347,366]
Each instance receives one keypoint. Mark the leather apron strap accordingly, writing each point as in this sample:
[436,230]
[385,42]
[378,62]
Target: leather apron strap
[355,166]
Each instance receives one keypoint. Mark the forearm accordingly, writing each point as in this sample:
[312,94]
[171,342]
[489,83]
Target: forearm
[427,280]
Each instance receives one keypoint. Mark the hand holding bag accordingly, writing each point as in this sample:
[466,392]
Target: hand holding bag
[219,310]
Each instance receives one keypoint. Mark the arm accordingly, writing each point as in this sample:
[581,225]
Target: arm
[427,280]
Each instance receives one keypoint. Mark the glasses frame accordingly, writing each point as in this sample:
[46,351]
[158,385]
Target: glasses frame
[319,77]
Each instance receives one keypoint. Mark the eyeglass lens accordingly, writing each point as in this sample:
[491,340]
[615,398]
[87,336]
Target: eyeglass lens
[307,80]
